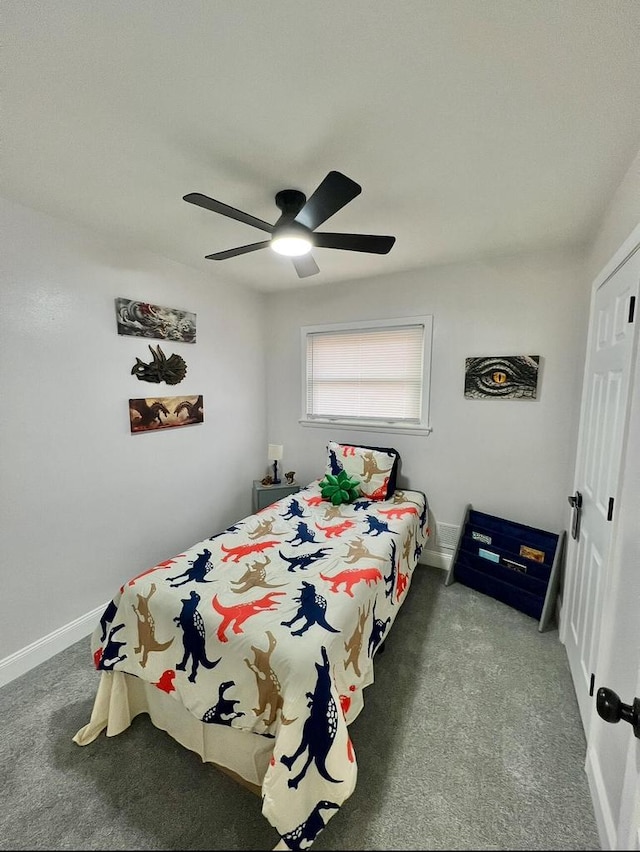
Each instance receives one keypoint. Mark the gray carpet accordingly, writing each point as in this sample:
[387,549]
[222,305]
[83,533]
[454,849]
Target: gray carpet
[470,739]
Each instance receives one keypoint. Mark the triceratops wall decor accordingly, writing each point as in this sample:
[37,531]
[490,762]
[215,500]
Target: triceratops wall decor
[171,370]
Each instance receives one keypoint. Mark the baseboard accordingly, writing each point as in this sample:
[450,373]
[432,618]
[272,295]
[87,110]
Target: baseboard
[601,809]
[43,649]
[435,559]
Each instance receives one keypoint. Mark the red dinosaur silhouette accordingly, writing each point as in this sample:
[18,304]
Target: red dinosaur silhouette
[348,451]
[337,529]
[166,681]
[314,501]
[164,564]
[399,512]
[351,576]
[236,553]
[379,493]
[238,613]
[403,582]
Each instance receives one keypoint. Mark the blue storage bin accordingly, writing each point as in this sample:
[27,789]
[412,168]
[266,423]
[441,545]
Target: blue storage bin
[515,563]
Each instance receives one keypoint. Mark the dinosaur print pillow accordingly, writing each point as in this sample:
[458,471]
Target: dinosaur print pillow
[375,468]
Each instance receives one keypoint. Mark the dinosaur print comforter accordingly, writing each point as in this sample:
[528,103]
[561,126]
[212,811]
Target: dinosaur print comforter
[271,627]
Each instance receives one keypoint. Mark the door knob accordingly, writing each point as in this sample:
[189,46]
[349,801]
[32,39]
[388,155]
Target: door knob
[575,501]
[611,709]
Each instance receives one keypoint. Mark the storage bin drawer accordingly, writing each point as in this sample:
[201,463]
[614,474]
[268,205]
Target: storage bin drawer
[502,572]
[516,597]
[507,556]
[531,536]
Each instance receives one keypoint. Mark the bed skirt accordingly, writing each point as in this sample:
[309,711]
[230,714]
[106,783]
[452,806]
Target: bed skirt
[121,697]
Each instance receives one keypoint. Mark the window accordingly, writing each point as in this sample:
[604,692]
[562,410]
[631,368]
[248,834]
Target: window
[368,375]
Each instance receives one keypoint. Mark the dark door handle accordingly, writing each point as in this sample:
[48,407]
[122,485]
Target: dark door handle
[575,501]
[611,709]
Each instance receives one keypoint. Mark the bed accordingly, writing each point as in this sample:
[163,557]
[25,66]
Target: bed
[253,647]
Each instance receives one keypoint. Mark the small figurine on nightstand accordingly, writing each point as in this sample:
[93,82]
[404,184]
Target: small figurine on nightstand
[289,477]
[268,480]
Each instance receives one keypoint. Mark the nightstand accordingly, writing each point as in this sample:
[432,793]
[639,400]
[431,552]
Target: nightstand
[265,495]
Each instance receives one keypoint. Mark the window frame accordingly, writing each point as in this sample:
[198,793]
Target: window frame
[423,427]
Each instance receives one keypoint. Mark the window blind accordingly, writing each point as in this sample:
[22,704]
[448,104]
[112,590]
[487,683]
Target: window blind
[367,374]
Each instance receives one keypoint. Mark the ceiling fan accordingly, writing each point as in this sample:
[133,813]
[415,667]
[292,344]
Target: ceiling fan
[294,234]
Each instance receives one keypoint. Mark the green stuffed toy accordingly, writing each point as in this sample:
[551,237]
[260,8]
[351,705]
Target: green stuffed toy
[340,489]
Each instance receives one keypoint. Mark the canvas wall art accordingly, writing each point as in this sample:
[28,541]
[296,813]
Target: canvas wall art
[141,319]
[501,377]
[165,412]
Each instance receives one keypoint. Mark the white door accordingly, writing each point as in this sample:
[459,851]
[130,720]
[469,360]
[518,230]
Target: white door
[613,752]
[601,437]
[600,618]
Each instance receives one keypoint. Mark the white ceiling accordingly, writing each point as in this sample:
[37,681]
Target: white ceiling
[474,128]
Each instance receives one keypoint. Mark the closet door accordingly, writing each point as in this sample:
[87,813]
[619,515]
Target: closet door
[600,618]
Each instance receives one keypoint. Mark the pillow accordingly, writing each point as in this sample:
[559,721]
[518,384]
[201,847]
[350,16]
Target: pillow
[376,468]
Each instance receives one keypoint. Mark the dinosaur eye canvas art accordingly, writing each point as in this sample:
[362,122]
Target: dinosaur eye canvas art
[150,414]
[501,377]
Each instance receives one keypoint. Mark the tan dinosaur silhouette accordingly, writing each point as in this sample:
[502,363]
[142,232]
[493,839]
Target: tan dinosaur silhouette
[354,645]
[332,512]
[359,550]
[267,682]
[146,628]
[406,547]
[370,466]
[265,527]
[255,575]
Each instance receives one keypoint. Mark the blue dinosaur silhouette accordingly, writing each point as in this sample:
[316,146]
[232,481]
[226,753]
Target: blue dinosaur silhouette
[390,578]
[106,618]
[425,510]
[196,573]
[232,528]
[377,527]
[361,505]
[111,651]
[378,628]
[319,729]
[303,535]
[334,464]
[305,559]
[308,830]
[312,608]
[223,711]
[294,510]
[193,636]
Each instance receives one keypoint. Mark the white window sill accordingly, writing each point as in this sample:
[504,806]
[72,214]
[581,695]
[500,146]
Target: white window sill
[362,427]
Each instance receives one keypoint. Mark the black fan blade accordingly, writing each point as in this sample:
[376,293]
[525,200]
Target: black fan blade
[218,207]
[305,265]
[234,252]
[334,192]
[355,242]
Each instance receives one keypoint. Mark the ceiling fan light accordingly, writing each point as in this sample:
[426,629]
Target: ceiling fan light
[291,245]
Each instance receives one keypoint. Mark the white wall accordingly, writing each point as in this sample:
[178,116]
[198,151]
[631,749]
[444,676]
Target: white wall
[513,458]
[621,216]
[85,504]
